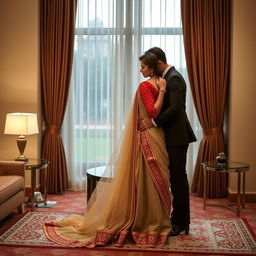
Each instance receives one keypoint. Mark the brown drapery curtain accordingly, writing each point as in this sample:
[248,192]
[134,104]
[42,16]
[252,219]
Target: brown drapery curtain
[57,28]
[206,29]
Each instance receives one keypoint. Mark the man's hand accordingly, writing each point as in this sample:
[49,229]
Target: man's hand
[145,123]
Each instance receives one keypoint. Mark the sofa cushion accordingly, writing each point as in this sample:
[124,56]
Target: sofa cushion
[8,206]
[9,186]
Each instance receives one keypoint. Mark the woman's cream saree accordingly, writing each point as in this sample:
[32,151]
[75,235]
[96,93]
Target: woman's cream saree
[133,206]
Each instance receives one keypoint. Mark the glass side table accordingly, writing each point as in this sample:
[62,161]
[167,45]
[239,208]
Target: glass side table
[229,167]
[93,175]
[33,165]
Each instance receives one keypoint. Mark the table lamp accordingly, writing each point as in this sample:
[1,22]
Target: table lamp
[21,124]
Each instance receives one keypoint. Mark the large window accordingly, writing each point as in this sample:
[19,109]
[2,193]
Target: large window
[110,36]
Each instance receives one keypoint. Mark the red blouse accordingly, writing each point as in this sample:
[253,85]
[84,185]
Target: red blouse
[149,94]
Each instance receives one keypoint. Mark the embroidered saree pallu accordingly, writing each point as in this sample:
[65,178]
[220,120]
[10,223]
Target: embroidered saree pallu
[133,206]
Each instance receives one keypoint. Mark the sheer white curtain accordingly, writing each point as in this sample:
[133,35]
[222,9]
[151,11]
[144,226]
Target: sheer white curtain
[110,36]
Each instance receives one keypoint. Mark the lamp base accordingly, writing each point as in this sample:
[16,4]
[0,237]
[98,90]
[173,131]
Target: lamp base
[21,142]
[21,158]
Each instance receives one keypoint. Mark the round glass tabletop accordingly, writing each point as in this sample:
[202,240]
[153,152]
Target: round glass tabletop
[229,165]
[36,163]
[100,172]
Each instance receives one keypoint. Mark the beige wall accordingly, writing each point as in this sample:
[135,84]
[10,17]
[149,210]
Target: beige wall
[19,70]
[242,133]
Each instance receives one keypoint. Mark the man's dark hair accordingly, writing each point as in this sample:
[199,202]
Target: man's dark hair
[159,53]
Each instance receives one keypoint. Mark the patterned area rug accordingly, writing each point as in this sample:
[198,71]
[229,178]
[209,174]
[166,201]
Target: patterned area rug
[215,236]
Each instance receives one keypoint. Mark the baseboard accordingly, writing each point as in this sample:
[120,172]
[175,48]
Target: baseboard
[250,197]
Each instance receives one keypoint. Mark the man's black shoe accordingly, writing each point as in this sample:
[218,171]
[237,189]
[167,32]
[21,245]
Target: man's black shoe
[176,230]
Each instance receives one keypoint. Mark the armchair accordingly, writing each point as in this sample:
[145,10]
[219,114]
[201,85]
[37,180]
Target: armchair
[12,187]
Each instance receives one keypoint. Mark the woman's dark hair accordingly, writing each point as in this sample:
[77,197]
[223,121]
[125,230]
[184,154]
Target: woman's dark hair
[150,60]
[159,53]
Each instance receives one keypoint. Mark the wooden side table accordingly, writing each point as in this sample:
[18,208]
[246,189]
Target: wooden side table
[229,167]
[93,175]
[33,165]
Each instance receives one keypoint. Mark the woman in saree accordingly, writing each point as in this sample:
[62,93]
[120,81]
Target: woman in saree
[134,205]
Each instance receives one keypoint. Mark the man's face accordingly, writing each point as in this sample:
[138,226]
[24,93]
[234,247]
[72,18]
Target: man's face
[160,67]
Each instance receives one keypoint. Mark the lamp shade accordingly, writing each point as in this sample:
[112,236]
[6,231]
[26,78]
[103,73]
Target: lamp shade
[21,124]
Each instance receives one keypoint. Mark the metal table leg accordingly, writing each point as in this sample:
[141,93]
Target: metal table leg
[33,186]
[238,193]
[204,192]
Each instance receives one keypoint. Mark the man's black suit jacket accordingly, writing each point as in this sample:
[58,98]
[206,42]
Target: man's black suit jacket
[173,118]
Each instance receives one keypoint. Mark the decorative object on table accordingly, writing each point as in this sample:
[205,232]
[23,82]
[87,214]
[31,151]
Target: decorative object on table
[21,124]
[221,158]
[38,197]
[41,203]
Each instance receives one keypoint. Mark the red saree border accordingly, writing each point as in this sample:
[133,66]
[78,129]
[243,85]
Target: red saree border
[104,237]
[148,240]
[152,239]
[52,234]
[155,172]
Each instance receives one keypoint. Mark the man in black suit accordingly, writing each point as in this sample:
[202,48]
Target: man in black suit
[178,134]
